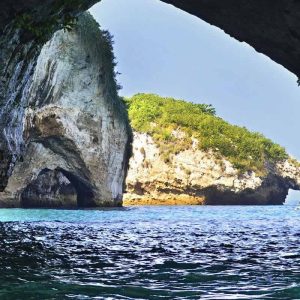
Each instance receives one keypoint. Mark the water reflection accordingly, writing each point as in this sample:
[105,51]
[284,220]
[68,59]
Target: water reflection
[151,253]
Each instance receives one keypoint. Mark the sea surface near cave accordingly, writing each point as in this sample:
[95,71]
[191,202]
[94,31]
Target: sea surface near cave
[196,252]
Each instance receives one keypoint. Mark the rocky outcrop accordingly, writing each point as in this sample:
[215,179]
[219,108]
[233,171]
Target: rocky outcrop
[24,27]
[73,137]
[194,176]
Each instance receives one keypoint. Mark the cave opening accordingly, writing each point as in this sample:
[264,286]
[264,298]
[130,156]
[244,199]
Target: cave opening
[293,198]
[57,189]
[85,195]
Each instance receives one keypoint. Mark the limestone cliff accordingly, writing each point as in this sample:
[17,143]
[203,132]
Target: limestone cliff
[74,131]
[25,134]
[170,164]
[196,177]
[25,26]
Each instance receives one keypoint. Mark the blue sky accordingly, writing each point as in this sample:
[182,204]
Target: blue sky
[163,50]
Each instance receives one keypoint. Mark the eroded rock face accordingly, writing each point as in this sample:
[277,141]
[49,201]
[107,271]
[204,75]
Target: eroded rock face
[24,27]
[197,177]
[75,124]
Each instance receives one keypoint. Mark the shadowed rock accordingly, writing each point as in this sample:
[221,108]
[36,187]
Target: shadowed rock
[50,189]
[270,26]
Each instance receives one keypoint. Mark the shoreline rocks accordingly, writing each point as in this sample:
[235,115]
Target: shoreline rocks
[196,177]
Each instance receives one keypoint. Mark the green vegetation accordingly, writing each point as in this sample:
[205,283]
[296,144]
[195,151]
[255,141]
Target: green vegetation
[62,16]
[160,116]
[102,50]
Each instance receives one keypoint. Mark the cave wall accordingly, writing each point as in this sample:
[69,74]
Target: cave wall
[272,27]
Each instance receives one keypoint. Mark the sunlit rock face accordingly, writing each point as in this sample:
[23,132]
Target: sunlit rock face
[75,128]
[197,177]
[24,27]
[271,27]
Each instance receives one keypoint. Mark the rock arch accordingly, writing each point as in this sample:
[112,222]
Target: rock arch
[271,27]
[69,124]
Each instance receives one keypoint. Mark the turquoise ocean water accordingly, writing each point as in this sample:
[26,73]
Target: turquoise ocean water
[198,252]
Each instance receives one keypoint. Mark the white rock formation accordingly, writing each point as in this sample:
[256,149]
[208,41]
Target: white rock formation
[76,127]
[197,177]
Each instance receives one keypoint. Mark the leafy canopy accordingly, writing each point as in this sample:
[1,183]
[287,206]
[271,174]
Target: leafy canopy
[160,116]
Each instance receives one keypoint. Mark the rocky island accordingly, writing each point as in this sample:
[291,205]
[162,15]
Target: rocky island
[184,154]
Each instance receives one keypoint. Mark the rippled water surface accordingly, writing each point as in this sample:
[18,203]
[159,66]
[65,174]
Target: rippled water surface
[151,253]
